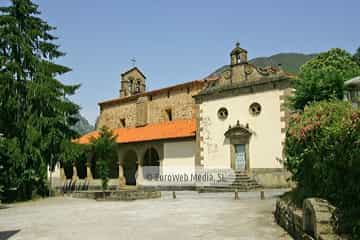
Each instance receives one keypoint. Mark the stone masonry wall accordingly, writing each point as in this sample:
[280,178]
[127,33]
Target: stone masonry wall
[111,115]
[179,101]
[313,222]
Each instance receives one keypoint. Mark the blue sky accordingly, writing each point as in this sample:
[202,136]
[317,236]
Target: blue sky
[178,41]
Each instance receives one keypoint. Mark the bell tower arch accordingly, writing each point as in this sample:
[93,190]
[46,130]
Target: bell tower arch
[132,82]
[238,55]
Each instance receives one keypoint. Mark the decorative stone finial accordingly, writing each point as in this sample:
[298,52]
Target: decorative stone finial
[247,125]
[237,123]
[237,44]
[229,126]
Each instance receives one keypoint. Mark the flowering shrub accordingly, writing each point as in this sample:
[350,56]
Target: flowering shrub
[323,154]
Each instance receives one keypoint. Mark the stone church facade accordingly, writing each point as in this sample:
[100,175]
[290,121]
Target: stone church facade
[235,121]
[242,120]
[154,128]
[135,107]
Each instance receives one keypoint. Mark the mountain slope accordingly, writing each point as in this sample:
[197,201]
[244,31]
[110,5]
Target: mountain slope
[82,126]
[291,62]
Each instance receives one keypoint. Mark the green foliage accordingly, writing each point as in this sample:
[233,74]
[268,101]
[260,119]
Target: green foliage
[104,149]
[72,152]
[34,116]
[8,170]
[323,154]
[356,56]
[323,77]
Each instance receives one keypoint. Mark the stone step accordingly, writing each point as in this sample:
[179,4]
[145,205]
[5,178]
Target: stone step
[239,181]
[226,189]
[245,181]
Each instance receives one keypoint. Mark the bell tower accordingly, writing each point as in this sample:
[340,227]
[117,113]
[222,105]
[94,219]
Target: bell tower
[238,55]
[239,66]
[132,82]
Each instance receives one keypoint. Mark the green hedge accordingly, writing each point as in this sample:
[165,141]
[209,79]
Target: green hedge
[323,155]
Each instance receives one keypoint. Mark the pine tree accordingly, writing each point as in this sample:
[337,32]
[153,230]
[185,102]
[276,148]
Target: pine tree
[34,112]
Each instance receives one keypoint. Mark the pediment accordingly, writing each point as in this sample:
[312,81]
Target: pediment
[238,131]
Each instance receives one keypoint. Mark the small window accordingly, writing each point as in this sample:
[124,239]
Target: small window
[137,87]
[168,94]
[168,114]
[188,90]
[150,98]
[130,85]
[123,123]
[238,58]
[223,113]
[255,109]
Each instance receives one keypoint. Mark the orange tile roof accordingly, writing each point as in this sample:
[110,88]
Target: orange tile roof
[150,132]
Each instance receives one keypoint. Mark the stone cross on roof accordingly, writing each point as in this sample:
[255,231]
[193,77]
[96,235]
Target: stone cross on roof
[133,60]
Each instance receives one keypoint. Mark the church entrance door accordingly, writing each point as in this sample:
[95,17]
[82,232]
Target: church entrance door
[240,157]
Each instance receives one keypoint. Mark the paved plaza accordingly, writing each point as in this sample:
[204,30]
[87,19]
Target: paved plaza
[190,216]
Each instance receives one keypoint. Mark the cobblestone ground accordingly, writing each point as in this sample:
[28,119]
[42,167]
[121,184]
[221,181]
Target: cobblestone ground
[189,216]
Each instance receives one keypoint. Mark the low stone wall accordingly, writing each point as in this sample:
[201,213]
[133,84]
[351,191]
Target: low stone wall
[120,195]
[271,177]
[290,218]
[313,222]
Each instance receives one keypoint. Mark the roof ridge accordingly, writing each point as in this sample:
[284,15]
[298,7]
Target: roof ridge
[180,128]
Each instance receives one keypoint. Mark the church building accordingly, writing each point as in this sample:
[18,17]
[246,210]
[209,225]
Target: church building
[234,121]
[154,128]
[242,120]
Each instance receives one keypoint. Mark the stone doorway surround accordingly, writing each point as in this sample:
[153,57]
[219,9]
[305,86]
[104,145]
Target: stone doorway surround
[239,134]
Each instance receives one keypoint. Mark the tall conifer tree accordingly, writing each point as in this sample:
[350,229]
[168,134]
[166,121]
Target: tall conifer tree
[35,115]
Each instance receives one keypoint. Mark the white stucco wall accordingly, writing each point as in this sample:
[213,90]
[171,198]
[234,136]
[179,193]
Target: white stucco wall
[265,146]
[179,157]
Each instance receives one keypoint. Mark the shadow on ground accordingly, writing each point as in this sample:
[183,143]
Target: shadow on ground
[4,207]
[7,234]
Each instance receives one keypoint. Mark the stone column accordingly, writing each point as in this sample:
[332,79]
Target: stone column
[89,175]
[122,180]
[75,175]
[140,177]
[62,174]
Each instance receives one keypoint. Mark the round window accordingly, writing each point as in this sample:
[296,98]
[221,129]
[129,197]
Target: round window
[223,113]
[255,109]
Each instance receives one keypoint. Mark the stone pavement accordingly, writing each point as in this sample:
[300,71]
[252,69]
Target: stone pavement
[190,216]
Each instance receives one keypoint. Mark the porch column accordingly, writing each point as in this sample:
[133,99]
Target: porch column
[122,181]
[140,177]
[62,174]
[75,175]
[89,175]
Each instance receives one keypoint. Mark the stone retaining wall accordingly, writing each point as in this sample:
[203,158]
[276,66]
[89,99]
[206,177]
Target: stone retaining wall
[122,195]
[313,222]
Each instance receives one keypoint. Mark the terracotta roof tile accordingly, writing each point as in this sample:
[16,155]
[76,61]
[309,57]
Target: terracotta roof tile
[150,132]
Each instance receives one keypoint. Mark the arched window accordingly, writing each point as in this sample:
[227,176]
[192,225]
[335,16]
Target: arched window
[238,57]
[131,82]
[137,86]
